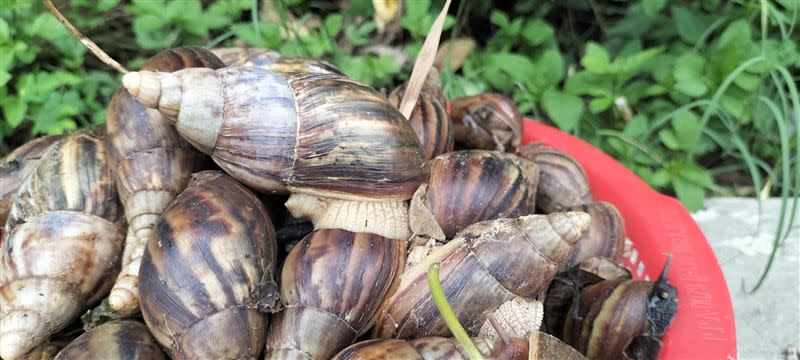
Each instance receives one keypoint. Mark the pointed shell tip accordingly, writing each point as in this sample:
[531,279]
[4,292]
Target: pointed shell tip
[132,81]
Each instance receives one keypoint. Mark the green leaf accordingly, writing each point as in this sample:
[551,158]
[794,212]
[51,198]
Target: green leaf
[596,59]
[747,81]
[333,24]
[548,69]
[653,7]
[5,77]
[14,109]
[690,26]
[564,109]
[691,195]
[689,75]
[537,32]
[687,128]
[599,105]
[637,126]
[500,19]
[5,30]
[669,139]
[585,82]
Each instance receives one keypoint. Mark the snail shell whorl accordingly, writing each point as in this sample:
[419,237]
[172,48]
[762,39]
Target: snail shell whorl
[253,57]
[16,166]
[120,340]
[152,164]
[206,275]
[500,259]
[318,134]
[63,246]
[466,187]
[562,181]
[429,119]
[605,237]
[333,284]
[427,348]
[486,121]
[612,312]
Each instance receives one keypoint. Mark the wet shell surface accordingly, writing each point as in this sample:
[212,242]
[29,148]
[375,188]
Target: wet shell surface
[16,166]
[469,186]
[206,281]
[114,340]
[486,121]
[152,165]
[484,266]
[333,283]
[63,246]
[319,134]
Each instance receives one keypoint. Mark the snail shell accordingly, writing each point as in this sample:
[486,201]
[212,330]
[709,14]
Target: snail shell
[427,348]
[252,57]
[605,237]
[64,241]
[206,276]
[152,164]
[568,284]
[16,166]
[333,284]
[44,351]
[496,260]
[622,319]
[486,121]
[319,134]
[562,181]
[429,118]
[114,340]
[469,186]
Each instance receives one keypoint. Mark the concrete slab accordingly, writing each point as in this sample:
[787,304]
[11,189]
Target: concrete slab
[767,322]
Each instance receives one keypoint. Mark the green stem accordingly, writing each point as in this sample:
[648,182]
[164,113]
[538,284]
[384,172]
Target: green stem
[448,315]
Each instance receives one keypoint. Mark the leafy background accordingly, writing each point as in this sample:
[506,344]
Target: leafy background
[695,97]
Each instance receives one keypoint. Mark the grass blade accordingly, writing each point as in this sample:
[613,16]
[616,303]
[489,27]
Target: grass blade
[448,315]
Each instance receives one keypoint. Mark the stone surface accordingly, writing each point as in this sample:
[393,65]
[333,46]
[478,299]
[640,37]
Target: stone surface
[768,321]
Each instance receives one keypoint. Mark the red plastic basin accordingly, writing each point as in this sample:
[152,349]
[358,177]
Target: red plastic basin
[658,225]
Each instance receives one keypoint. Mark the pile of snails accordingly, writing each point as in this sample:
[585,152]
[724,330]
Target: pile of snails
[171,217]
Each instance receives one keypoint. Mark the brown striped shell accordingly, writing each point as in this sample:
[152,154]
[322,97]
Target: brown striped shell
[206,280]
[64,241]
[333,284]
[429,118]
[605,237]
[562,181]
[612,312]
[484,266]
[469,186]
[427,348]
[563,288]
[320,134]
[486,121]
[254,57]
[152,164]
[16,166]
[288,66]
[114,340]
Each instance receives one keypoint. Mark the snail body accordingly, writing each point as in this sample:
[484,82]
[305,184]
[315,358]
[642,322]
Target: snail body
[318,134]
[16,166]
[152,164]
[332,285]
[469,186]
[486,121]
[622,319]
[64,241]
[429,119]
[562,180]
[499,259]
[114,340]
[206,275]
